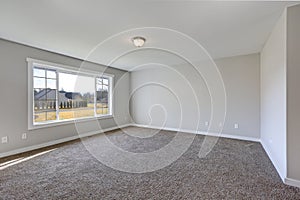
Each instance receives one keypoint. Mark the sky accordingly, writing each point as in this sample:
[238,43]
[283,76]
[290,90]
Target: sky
[74,83]
[67,82]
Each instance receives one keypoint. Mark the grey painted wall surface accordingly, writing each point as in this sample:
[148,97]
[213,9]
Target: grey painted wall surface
[173,95]
[273,96]
[13,106]
[293,92]
[241,75]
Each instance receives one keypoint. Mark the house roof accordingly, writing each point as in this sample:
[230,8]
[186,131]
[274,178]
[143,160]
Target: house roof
[50,94]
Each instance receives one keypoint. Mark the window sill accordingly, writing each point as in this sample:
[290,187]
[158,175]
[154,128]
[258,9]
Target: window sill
[67,121]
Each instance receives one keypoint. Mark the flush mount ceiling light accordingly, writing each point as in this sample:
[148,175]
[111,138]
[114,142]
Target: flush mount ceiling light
[138,41]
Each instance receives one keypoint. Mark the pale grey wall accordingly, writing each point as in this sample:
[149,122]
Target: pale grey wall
[13,103]
[293,92]
[273,96]
[241,75]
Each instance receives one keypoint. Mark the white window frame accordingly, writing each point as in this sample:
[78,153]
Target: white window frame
[71,70]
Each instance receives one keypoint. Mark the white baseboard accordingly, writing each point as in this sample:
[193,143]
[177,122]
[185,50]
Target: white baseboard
[201,133]
[292,182]
[274,161]
[38,146]
[236,137]
[164,128]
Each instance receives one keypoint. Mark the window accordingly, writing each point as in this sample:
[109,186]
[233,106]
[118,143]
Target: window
[59,94]
[44,90]
[102,96]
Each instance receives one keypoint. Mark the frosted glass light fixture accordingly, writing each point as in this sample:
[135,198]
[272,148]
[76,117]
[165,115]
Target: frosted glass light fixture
[138,41]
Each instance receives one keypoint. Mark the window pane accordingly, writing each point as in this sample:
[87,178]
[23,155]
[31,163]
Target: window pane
[66,114]
[51,83]
[66,82]
[99,84]
[83,113]
[51,94]
[100,105]
[105,81]
[44,116]
[89,98]
[40,105]
[51,104]
[99,111]
[44,96]
[39,116]
[75,113]
[37,93]
[102,96]
[51,74]
[105,88]
[39,82]
[76,96]
[102,109]
[99,87]
[39,72]
[99,81]
[105,111]
[51,115]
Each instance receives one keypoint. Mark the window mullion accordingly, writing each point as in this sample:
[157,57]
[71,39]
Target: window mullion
[46,102]
[108,96]
[57,96]
[101,95]
[95,98]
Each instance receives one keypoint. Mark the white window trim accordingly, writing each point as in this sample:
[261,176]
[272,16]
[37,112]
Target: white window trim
[69,69]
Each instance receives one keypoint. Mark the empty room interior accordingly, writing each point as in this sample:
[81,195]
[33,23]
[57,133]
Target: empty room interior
[149,99]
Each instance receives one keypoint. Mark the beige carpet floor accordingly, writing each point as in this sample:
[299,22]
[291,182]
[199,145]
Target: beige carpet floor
[233,170]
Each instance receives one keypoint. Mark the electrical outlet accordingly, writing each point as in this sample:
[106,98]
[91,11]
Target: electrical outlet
[4,139]
[24,136]
[236,126]
[206,123]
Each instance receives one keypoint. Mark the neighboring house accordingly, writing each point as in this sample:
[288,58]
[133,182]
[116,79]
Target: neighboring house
[46,99]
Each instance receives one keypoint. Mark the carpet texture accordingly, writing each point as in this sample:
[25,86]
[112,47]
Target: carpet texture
[234,169]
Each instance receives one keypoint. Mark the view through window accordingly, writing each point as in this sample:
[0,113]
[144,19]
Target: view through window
[61,95]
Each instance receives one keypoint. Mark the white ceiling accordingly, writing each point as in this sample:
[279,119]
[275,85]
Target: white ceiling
[76,27]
